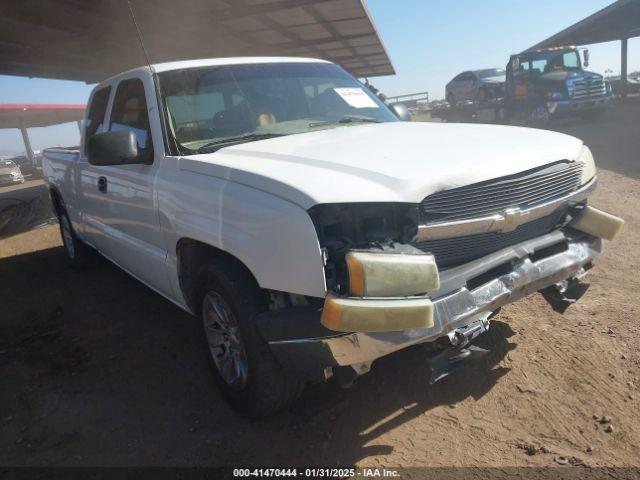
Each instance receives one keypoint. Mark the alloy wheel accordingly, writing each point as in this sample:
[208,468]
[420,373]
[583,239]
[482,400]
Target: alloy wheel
[225,342]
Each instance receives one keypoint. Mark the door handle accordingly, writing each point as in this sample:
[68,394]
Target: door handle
[102,184]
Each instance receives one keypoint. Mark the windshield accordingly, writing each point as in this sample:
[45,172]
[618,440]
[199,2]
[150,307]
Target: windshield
[7,164]
[490,72]
[211,107]
[545,62]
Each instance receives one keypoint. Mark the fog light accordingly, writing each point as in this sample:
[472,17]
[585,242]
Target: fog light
[391,274]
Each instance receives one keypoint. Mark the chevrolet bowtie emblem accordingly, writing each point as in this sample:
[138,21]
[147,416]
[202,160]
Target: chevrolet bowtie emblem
[510,219]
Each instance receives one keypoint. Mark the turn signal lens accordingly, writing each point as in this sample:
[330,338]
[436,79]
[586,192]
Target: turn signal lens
[589,170]
[598,223]
[375,315]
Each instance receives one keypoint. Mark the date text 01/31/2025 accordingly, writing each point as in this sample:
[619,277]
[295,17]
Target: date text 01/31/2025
[316,472]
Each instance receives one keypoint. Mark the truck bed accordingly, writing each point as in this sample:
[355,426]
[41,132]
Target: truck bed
[58,165]
[68,154]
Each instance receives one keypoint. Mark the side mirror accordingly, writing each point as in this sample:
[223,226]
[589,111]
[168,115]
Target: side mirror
[401,111]
[114,148]
[515,64]
[585,54]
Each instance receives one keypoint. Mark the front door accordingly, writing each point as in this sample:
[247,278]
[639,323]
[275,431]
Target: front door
[124,200]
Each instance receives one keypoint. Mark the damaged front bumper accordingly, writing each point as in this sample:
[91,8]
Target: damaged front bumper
[467,294]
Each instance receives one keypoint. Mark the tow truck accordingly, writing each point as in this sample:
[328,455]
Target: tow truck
[541,85]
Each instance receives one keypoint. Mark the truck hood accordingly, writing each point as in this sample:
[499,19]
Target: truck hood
[386,162]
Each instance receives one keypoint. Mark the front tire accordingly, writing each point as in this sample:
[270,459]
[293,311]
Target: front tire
[243,366]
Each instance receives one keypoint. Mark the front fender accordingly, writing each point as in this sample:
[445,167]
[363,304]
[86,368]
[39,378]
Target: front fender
[274,238]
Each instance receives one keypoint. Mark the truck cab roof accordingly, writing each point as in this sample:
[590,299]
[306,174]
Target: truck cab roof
[212,62]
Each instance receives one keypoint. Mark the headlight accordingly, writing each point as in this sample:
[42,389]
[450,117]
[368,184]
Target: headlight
[554,95]
[589,170]
[342,227]
[391,274]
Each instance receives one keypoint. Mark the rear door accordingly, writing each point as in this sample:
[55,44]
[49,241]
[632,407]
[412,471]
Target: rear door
[125,202]
[89,198]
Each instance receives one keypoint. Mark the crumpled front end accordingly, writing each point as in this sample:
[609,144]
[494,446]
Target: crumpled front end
[400,274]
[468,295]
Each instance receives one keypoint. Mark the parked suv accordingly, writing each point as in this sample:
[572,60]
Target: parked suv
[10,173]
[476,86]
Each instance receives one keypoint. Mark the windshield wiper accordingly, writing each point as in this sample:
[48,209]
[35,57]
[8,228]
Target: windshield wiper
[345,119]
[247,137]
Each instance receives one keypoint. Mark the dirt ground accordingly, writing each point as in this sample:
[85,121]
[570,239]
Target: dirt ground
[96,369]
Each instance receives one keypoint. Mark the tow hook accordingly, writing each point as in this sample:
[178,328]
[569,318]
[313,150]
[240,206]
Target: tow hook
[565,293]
[457,352]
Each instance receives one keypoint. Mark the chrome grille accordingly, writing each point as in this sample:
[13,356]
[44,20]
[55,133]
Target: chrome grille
[587,88]
[525,190]
[450,252]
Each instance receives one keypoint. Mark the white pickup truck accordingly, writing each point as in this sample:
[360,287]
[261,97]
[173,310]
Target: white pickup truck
[309,229]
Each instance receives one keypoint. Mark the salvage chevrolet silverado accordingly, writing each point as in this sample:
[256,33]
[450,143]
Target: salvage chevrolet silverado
[309,229]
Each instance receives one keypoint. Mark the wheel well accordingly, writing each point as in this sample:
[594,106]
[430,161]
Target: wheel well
[192,255]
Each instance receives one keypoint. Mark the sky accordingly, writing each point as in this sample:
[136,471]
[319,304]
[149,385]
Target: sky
[428,41]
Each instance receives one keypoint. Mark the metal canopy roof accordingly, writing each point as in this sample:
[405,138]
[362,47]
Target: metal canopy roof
[619,20]
[89,41]
[14,115]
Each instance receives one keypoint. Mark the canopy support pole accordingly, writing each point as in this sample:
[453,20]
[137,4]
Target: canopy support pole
[79,122]
[27,145]
[623,67]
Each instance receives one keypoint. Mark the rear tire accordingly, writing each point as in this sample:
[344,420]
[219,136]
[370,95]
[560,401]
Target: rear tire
[79,254]
[243,366]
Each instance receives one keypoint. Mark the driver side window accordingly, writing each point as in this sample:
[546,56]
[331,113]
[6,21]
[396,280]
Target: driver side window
[130,113]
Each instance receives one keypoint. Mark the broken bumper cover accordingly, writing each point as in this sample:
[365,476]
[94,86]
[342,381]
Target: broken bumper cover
[467,293]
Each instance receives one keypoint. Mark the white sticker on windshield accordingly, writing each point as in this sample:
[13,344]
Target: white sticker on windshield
[356,97]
